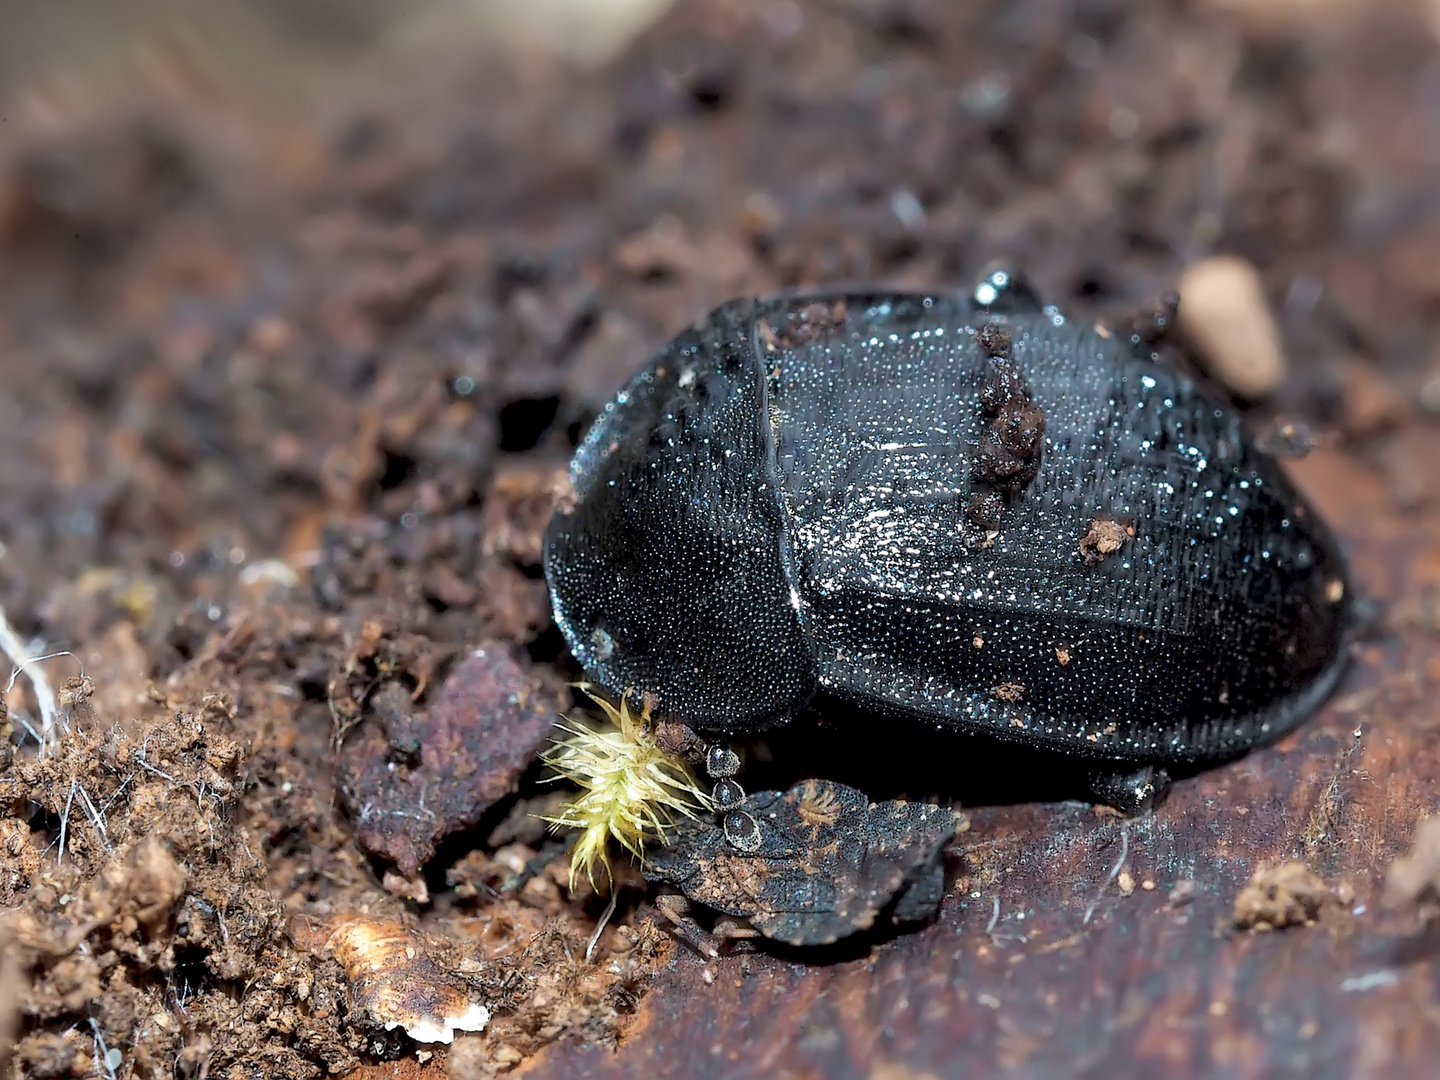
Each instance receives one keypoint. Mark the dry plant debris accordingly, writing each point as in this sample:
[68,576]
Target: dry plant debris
[145,927]
[12,988]
[564,996]
[632,789]
[14,650]
[153,933]
[399,977]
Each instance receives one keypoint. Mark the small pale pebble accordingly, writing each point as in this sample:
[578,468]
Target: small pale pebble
[1225,315]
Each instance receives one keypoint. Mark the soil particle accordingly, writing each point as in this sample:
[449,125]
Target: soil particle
[1011,440]
[1276,897]
[995,340]
[663,251]
[1223,311]
[562,994]
[152,877]
[47,1056]
[681,740]
[12,988]
[1371,406]
[607,358]
[1008,692]
[1286,439]
[1011,443]
[1152,325]
[522,499]
[19,860]
[1104,538]
[803,325]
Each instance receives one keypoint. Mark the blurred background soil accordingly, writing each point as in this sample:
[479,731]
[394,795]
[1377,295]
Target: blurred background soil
[303,307]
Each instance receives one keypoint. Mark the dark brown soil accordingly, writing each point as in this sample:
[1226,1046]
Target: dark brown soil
[274,465]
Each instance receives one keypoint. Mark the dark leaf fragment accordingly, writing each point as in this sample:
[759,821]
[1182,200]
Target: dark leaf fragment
[829,862]
[485,727]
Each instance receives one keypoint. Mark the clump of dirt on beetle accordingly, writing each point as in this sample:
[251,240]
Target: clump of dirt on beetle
[1104,538]
[1008,456]
[813,322]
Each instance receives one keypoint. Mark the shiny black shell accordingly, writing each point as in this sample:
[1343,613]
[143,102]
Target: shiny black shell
[803,495]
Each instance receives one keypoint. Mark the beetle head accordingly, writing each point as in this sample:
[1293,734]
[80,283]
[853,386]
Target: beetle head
[668,574]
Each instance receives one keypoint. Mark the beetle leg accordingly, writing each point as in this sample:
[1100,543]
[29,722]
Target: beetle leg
[1133,793]
[742,831]
[729,928]
[676,908]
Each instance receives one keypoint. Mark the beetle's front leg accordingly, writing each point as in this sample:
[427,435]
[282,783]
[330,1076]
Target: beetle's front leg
[729,928]
[676,908]
[1134,792]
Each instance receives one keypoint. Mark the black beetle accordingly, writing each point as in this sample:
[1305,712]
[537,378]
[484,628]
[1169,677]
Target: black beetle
[967,511]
